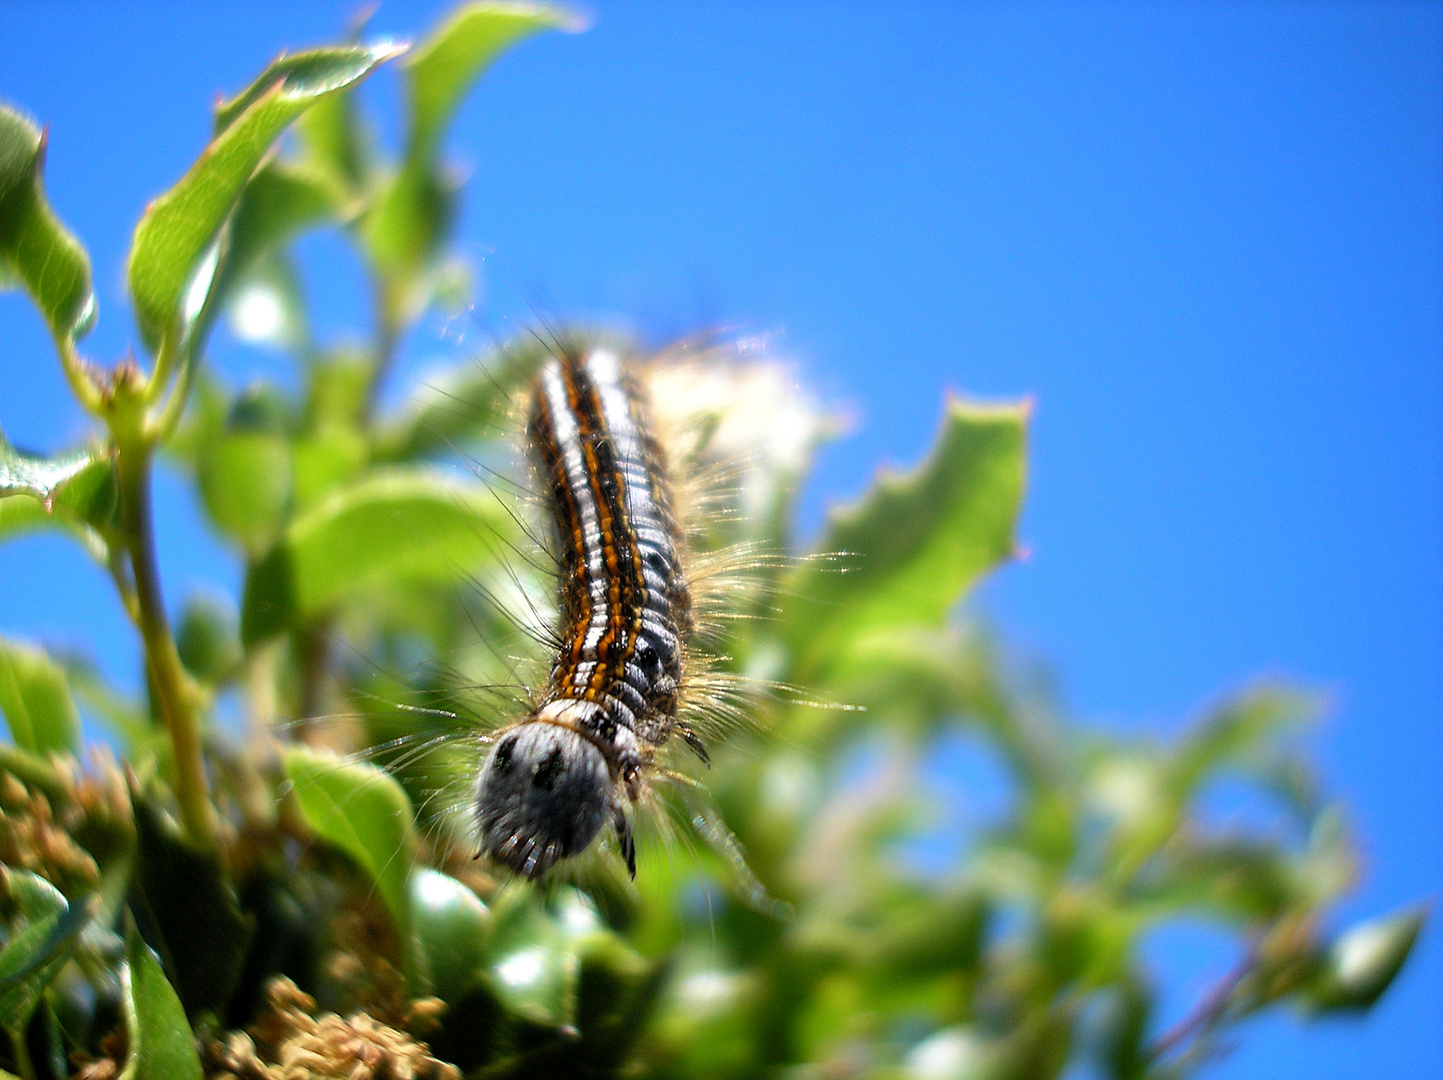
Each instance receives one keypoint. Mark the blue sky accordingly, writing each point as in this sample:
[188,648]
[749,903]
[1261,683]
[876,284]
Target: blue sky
[1208,239]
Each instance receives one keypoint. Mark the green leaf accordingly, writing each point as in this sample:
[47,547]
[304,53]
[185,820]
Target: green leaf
[181,226]
[208,639]
[184,894]
[454,930]
[161,1044]
[33,896]
[364,812]
[536,961]
[1363,963]
[245,484]
[914,545]
[1236,730]
[334,142]
[282,200]
[616,993]
[35,697]
[79,486]
[414,211]
[35,247]
[34,954]
[400,525]
[75,493]
[442,68]
[462,404]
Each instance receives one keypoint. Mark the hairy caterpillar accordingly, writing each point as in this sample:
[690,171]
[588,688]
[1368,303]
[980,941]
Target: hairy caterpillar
[551,783]
[648,577]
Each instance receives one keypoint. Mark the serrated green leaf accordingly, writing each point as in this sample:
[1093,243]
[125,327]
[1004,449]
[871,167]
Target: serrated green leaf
[401,525]
[364,812]
[76,482]
[914,544]
[161,1044]
[35,248]
[35,697]
[181,226]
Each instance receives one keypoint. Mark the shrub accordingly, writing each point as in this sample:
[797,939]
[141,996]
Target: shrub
[253,905]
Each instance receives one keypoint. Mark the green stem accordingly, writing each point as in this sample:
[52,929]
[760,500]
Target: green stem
[22,1055]
[176,703]
[389,328]
[78,375]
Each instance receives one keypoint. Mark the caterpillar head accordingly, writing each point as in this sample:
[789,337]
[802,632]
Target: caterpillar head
[544,794]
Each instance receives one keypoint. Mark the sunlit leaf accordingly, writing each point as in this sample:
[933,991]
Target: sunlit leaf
[414,211]
[257,283]
[536,955]
[453,928]
[35,248]
[245,484]
[1237,729]
[335,143]
[35,697]
[266,306]
[365,813]
[915,543]
[75,492]
[402,526]
[161,1044]
[444,66]
[180,226]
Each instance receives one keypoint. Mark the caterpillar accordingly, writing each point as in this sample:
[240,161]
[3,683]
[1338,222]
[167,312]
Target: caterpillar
[553,781]
[543,727]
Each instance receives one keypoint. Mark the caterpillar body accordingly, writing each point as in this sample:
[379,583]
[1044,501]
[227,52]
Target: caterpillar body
[553,780]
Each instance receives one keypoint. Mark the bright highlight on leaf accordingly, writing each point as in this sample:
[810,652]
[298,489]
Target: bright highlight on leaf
[181,225]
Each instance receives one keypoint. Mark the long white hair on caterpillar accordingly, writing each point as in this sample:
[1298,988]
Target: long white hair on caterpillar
[650,479]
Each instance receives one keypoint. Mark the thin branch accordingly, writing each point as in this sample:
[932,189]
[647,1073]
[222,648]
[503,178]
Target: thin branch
[177,705]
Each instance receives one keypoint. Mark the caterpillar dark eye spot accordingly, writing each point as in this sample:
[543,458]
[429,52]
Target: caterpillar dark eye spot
[548,770]
[504,751]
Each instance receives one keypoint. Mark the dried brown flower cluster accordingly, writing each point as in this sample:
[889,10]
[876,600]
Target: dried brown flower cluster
[53,835]
[289,1042]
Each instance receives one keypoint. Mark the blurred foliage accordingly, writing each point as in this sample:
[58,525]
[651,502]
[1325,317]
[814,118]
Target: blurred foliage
[263,900]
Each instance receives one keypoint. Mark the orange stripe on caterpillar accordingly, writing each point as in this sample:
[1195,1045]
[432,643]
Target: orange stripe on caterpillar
[553,781]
